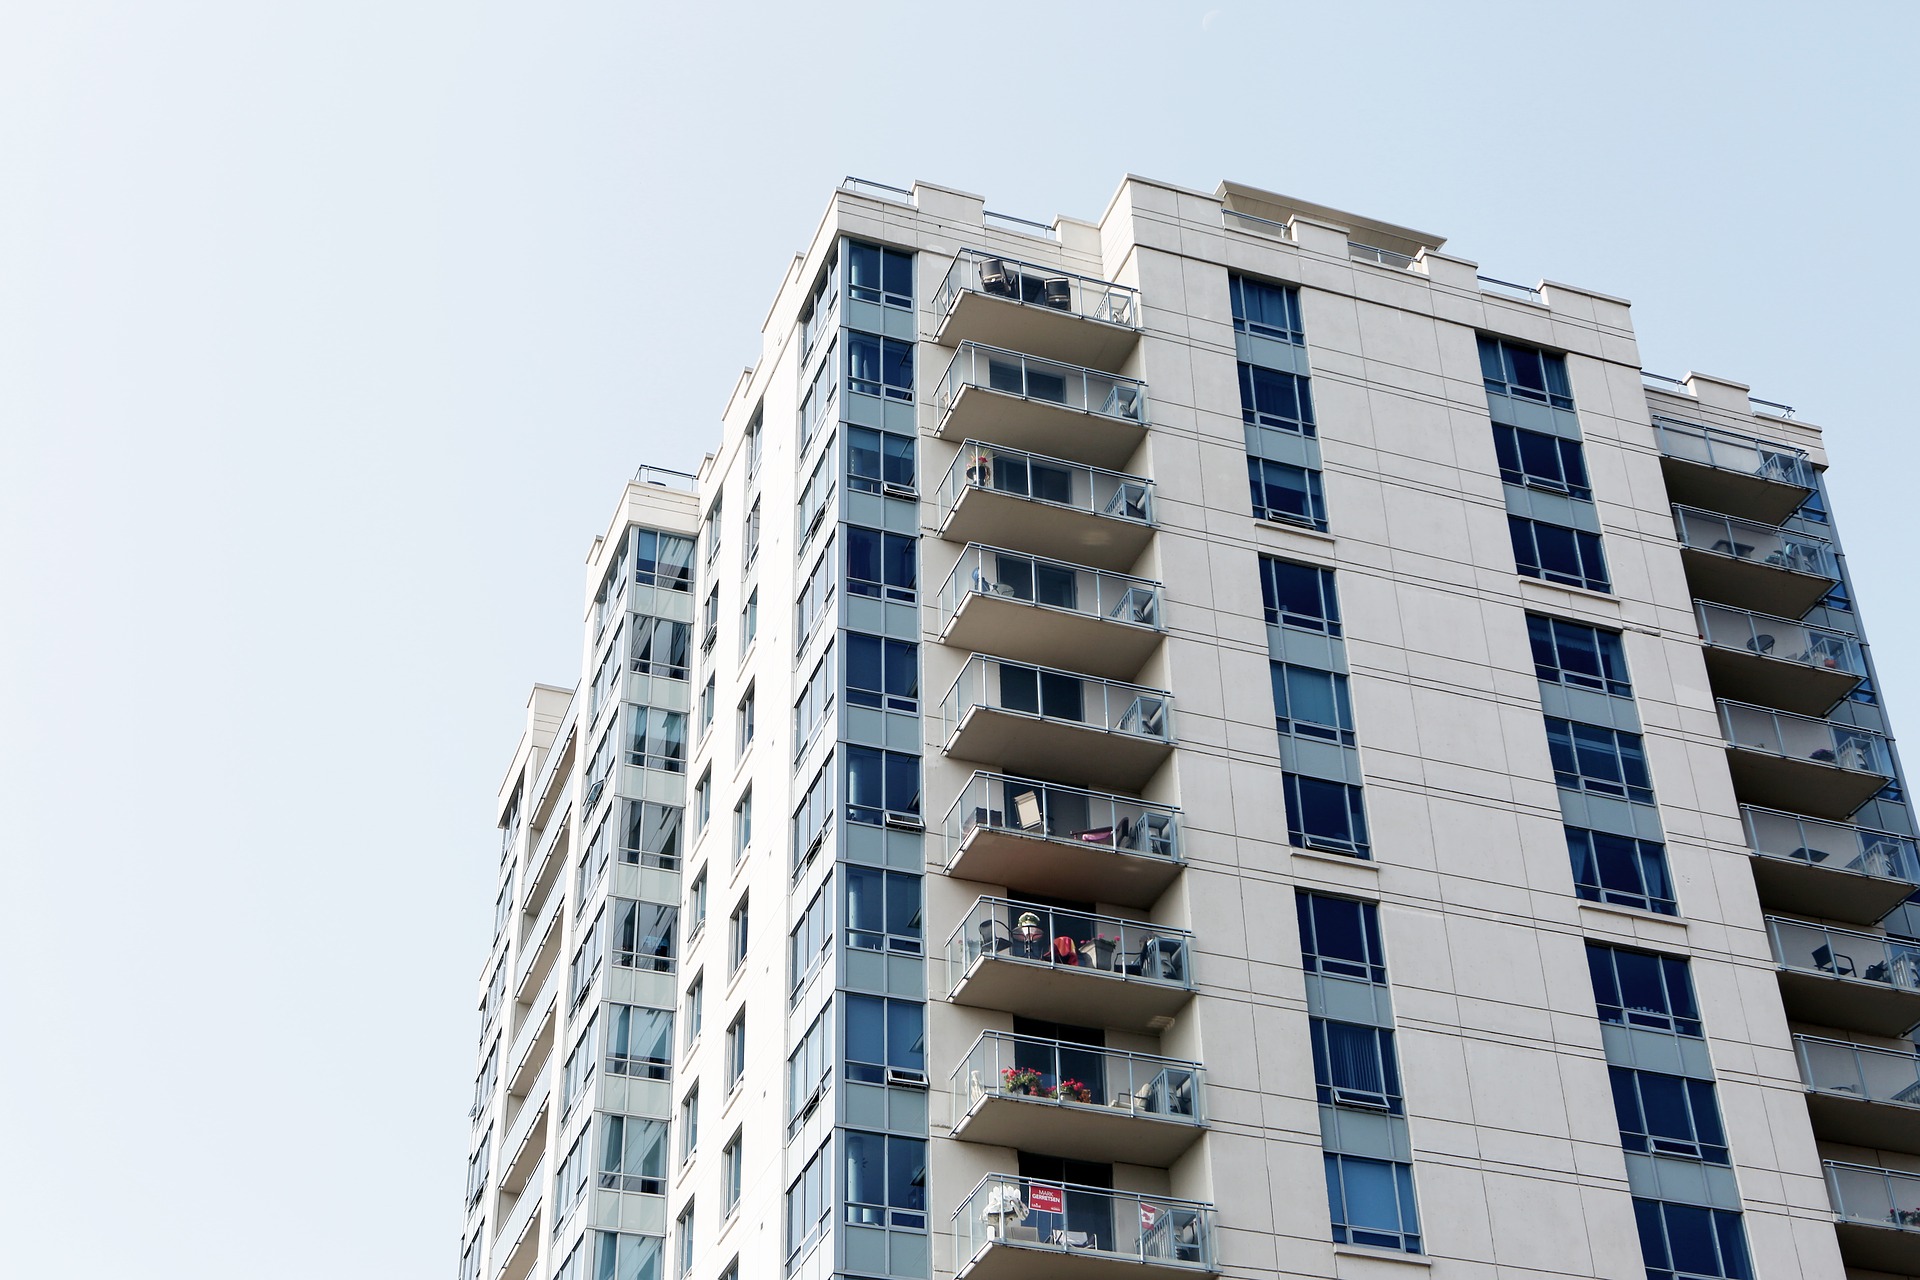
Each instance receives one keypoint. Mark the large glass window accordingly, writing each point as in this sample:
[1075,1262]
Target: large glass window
[1299,595]
[1665,1115]
[878,460]
[1540,461]
[810,608]
[1555,553]
[1607,762]
[883,565]
[883,910]
[1325,815]
[736,1051]
[650,836]
[882,673]
[1355,1066]
[811,507]
[1269,310]
[886,1180]
[882,785]
[639,1041]
[879,275]
[732,1168]
[661,647]
[1572,653]
[643,935]
[1311,703]
[814,818]
[1340,937]
[580,1064]
[575,1173]
[1372,1203]
[879,366]
[1639,989]
[1286,493]
[657,739]
[809,1202]
[882,1034]
[1524,373]
[816,406]
[811,707]
[623,1257]
[1269,398]
[1684,1242]
[811,938]
[633,1154]
[1621,870]
[810,1066]
[664,560]
[690,1123]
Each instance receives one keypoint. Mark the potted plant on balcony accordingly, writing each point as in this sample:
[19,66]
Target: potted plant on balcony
[1023,1080]
[1070,1090]
[1100,950]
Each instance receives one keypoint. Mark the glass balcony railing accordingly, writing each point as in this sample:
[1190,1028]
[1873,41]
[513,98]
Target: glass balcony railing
[1872,1196]
[1028,1069]
[1080,942]
[1730,451]
[1795,737]
[1028,402]
[1833,846]
[1012,1213]
[1782,639]
[1013,473]
[1007,279]
[1821,949]
[1071,728]
[1050,584]
[1741,562]
[1064,842]
[1859,1071]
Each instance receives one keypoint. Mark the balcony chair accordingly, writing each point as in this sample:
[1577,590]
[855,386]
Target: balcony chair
[1837,963]
[1057,292]
[994,278]
[1122,402]
[1761,644]
[993,937]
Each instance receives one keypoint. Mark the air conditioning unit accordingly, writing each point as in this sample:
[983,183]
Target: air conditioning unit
[906,1077]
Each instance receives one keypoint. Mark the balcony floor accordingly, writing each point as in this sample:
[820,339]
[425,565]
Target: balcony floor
[1042,528]
[1776,682]
[1752,584]
[1057,751]
[1008,627]
[1041,426]
[1861,1123]
[1895,1250]
[1812,787]
[1003,1260]
[1849,1004]
[1083,996]
[1062,868]
[1749,497]
[1105,1134]
[1038,330]
[1824,890]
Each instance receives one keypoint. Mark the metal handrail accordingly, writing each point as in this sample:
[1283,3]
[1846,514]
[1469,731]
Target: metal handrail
[1121,823]
[1009,1211]
[1285,230]
[1723,626]
[1732,451]
[1147,712]
[1000,1064]
[1866,1072]
[1795,837]
[1530,291]
[1088,593]
[1846,954]
[1015,932]
[1797,737]
[1000,275]
[1010,473]
[1072,386]
[1771,544]
[1877,1195]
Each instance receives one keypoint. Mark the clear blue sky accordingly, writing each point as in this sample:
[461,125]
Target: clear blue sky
[328,332]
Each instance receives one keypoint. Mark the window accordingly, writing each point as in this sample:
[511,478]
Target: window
[749,620]
[1286,494]
[879,275]
[593,865]
[1325,815]
[810,1067]
[690,1123]
[882,673]
[484,1082]
[1523,373]
[732,1272]
[886,1180]
[883,910]
[703,801]
[696,1006]
[736,1057]
[1340,937]
[1556,553]
[808,943]
[1639,989]
[1355,1066]
[1269,398]
[657,739]
[574,1173]
[477,1169]
[625,1257]
[470,1260]
[1268,310]
[882,565]
[883,1035]
[816,406]
[510,825]
[661,648]
[711,532]
[882,786]
[599,765]
[742,825]
[496,994]
[737,938]
[811,508]
[639,1042]
[819,307]
[751,541]
[1372,1203]
[650,836]
[1683,1241]
[697,904]
[1310,703]
[1299,595]
[683,1239]
[709,695]
[502,909]
[643,935]
[814,818]
[755,438]
[1621,870]
[879,461]
[810,608]
[1540,461]
[808,1203]
[606,678]
[732,1163]
[585,966]
[743,722]
[1667,1115]
[1607,762]
[613,586]
[633,1155]
[879,366]
[815,701]
[665,560]
[1579,656]
[580,1064]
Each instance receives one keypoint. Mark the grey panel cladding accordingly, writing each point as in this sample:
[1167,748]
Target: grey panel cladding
[1682,1181]
[1553,508]
[1660,1051]
[1588,706]
[1348,1000]
[1307,649]
[1289,447]
[1313,758]
[1604,813]
[1373,1134]
[1545,419]
[1270,353]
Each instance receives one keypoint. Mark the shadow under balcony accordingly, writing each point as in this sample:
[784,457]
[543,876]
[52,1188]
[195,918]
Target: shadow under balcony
[1878,1216]
[1063,410]
[1047,505]
[1014,1228]
[1077,729]
[517,1247]
[1845,978]
[1799,763]
[1833,870]
[1734,474]
[1050,612]
[1753,566]
[1003,302]
[1778,662]
[1861,1095]
[1069,966]
[1083,1102]
[1062,842]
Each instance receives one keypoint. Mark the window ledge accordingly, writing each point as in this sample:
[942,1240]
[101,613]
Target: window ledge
[1613,911]
[1562,589]
[1336,859]
[1300,529]
[1383,1255]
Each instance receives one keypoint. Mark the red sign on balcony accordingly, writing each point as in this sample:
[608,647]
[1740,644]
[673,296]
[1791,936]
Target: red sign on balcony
[1046,1199]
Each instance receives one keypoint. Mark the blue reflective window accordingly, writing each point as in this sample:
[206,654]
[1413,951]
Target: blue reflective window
[1640,989]
[1524,373]
[1608,762]
[1621,870]
[1310,703]
[1584,657]
[877,458]
[1680,1241]
[1556,553]
[1325,815]
[1269,398]
[882,673]
[879,366]
[1269,310]
[1340,936]
[1354,1066]
[879,564]
[1372,1203]
[884,1033]
[1541,461]
[881,783]
[1286,493]
[886,1180]
[879,275]
[1299,595]
[1665,1115]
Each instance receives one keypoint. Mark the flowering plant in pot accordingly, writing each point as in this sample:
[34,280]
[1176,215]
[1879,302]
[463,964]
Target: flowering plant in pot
[1100,950]
[1021,1080]
[1070,1090]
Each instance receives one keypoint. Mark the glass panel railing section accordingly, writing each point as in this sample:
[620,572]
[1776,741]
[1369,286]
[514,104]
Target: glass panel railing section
[1048,937]
[1071,815]
[1844,953]
[1050,584]
[1013,473]
[998,276]
[1043,693]
[1011,373]
[1725,627]
[1749,540]
[515,1225]
[1873,1196]
[1731,451]
[1858,1070]
[1008,1211]
[1841,846]
[1061,1073]
[1792,737]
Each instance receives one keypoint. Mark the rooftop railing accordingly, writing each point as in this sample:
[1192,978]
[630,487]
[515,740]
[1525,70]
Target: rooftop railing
[1238,221]
[1860,1071]
[998,276]
[1008,1211]
[1016,474]
[1050,584]
[1383,257]
[1873,1196]
[1750,540]
[1806,947]
[666,478]
[1063,697]
[1795,737]
[1726,627]
[1050,938]
[1732,451]
[1065,1074]
[1069,815]
[1524,292]
[1105,395]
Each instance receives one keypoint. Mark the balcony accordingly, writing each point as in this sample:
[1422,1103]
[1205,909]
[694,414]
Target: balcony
[1058,724]
[525,1144]
[1035,503]
[1069,966]
[1845,978]
[1861,1095]
[1730,473]
[533,1041]
[1080,1101]
[1029,403]
[1062,842]
[1829,869]
[1878,1212]
[1753,566]
[1013,1228]
[1778,662]
[517,1247]
[1050,612]
[986,298]
[1809,766]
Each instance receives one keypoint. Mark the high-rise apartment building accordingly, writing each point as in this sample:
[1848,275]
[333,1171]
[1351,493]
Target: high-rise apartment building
[1216,741]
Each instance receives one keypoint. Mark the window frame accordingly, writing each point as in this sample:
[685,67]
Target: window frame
[1585,568]
[1263,487]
